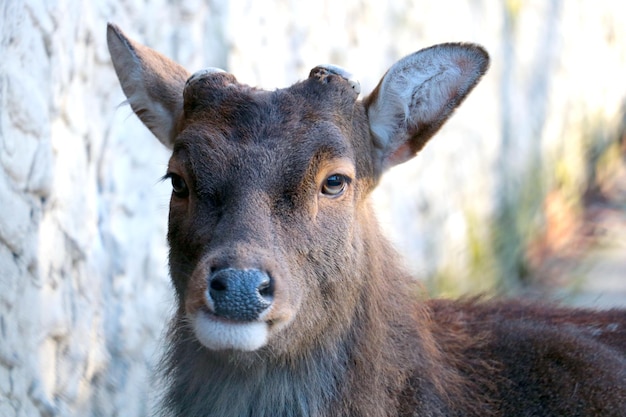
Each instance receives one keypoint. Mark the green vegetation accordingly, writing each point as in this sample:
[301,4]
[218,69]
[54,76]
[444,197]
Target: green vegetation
[497,248]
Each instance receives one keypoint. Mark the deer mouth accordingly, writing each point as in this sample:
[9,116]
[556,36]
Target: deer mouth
[219,333]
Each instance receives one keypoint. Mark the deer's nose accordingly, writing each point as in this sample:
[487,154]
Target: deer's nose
[240,294]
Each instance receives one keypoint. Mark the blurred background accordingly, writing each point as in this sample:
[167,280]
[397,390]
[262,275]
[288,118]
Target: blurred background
[522,193]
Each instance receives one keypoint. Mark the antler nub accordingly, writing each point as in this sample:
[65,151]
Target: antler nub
[323,71]
[203,73]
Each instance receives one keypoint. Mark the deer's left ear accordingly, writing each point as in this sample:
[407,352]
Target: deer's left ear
[417,95]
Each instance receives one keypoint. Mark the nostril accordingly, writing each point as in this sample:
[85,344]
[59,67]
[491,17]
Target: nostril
[266,289]
[218,284]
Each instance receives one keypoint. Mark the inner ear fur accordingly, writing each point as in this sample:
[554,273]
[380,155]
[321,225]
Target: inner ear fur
[418,94]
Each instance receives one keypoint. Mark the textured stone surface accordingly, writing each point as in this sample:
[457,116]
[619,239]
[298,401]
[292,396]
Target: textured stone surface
[84,294]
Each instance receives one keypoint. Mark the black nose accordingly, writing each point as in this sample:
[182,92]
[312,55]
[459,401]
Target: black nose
[240,294]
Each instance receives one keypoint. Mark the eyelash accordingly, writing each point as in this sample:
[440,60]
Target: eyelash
[179,186]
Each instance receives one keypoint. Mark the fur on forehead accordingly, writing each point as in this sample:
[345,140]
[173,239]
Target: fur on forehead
[228,104]
[210,90]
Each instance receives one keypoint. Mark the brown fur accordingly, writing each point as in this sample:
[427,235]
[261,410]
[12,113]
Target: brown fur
[349,331]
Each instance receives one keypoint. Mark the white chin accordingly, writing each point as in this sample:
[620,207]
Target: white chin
[216,334]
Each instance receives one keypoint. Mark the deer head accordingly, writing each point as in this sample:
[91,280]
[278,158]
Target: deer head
[273,244]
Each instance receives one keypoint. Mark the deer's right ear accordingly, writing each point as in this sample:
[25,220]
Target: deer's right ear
[416,97]
[152,83]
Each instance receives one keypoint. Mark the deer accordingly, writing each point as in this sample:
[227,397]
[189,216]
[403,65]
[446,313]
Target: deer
[289,300]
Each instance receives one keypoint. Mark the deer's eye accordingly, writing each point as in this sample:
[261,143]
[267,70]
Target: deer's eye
[335,185]
[179,186]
